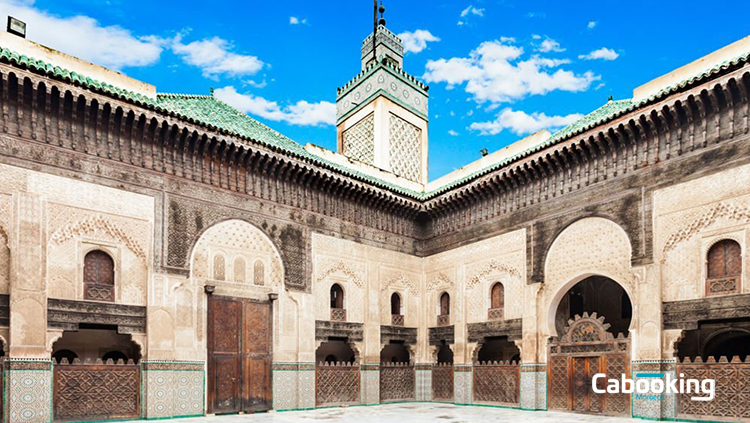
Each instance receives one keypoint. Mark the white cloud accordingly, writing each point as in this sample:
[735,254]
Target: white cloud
[300,113]
[592,24]
[470,11]
[550,45]
[417,41]
[84,37]
[602,53]
[495,73]
[214,58]
[521,123]
[293,20]
[453,133]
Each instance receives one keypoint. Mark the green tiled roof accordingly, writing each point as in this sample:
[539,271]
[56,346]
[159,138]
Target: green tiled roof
[210,112]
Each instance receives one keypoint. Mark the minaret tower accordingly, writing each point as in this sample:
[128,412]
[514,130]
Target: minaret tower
[381,114]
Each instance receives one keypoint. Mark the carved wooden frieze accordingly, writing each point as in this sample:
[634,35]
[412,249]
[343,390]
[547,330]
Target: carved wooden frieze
[439,334]
[687,314]
[325,329]
[510,328]
[69,314]
[398,333]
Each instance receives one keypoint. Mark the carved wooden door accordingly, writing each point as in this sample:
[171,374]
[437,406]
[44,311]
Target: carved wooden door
[239,355]
[583,398]
[256,357]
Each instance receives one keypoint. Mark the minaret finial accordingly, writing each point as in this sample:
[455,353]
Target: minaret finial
[382,12]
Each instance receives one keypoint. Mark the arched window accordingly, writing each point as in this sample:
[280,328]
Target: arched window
[723,268]
[337,303]
[219,267]
[98,276]
[497,296]
[397,319]
[445,304]
[337,296]
[259,273]
[239,269]
[497,302]
[395,303]
[444,317]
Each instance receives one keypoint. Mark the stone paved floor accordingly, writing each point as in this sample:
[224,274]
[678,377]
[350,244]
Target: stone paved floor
[410,412]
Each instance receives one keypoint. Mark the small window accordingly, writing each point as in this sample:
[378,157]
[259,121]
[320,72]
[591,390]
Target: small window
[259,273]
[497,296]
[239,269]
[98,276]
[723,268]
[219,267]
[445,304]
[337,296]
[395,304]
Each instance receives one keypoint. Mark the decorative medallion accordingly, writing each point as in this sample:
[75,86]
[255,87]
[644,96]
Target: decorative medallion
[368,87]
[394,87]
[406,94]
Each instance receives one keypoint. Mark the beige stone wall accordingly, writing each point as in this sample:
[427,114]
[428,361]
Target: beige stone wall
[688,219]
[47,225]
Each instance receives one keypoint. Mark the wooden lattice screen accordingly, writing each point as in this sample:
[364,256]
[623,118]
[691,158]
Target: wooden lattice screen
[336,384]
[442,382]
[497,382]
[96,391]
[732,398]
[396,382]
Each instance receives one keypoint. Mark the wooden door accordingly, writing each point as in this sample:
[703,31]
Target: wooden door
[256,357]
[239,355]
[583,398]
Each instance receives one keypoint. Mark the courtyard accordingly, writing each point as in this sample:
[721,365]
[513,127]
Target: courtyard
[410,412]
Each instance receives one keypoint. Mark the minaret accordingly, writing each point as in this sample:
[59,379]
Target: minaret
[381,114]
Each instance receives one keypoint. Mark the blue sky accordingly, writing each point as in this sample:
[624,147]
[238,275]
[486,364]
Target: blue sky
[497,70]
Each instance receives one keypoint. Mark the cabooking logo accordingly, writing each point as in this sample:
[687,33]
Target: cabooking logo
[650,386]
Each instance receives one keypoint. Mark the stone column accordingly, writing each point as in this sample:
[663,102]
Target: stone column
[370,355]
[29,368]
[533,389]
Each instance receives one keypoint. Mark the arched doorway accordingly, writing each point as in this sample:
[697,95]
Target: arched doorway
[442,374]
[96,375]
[240,271]
[397,377]
[592,320]
[336,373]
[497,374]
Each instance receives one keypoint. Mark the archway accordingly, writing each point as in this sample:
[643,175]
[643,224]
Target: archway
[238,332]
[442,373]
[95,376]
[716,339]
[497,372]
[336,373]
[397,377]
[596,294]
[592,320]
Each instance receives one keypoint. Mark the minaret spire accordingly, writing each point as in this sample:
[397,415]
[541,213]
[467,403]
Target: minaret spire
[375,28]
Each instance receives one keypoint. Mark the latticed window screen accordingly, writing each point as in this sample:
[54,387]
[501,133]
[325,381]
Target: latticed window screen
[724,259]
[359,140]
[98,276]
[405,149]
[724,268]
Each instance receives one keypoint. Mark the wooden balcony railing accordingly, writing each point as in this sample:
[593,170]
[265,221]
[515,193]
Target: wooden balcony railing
[338,314]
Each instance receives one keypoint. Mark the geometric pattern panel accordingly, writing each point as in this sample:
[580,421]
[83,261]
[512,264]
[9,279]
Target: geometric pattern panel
[618,404]
[497,383]
[29,396]
[96,392]
[171,393]
[359,140]
[442,382]
[405,148]
[336,384]
[396,382]
[732,398]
